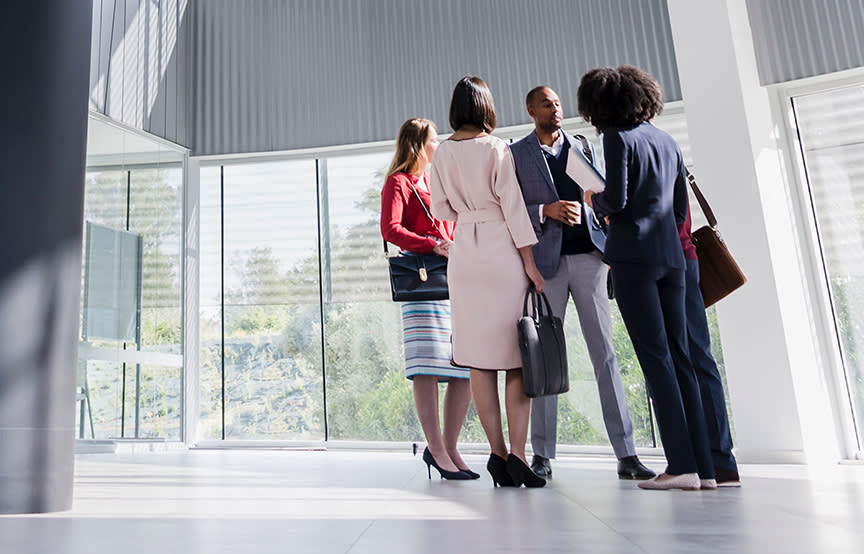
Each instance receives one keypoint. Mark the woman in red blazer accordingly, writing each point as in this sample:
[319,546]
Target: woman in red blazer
[406,222]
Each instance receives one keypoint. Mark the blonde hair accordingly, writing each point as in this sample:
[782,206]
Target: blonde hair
[410,143]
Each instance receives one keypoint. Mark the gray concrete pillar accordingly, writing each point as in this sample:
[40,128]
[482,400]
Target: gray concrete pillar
[45,63]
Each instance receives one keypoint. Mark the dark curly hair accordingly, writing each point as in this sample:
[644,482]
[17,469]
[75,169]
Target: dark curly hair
[472,105]
[618,97]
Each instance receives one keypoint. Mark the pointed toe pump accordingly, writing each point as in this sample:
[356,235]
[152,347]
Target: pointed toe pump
[451,475]
[469,473]
[522,474]
[497,468]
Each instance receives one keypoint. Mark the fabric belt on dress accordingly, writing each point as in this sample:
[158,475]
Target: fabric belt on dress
[481,216]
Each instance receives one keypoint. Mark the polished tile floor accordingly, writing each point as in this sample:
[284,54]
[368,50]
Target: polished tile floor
[261,501]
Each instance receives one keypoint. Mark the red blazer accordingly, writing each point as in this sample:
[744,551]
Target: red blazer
[403,220]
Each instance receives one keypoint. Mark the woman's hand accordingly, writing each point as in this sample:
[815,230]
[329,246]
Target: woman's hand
[442,248]
[531,268]
[535,278]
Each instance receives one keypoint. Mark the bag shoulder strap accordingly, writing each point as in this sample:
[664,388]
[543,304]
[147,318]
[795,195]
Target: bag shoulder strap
[703,203]
[425,209]
[586,147]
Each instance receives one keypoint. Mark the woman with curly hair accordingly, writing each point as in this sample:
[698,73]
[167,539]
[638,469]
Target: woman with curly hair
[645,200]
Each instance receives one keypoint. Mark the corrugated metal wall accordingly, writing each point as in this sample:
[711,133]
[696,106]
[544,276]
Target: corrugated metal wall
[803,38]
[287,74]
[140,65]
[224,76]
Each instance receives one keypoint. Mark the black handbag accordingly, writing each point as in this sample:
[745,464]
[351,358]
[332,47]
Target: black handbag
[544,351]
[417,277]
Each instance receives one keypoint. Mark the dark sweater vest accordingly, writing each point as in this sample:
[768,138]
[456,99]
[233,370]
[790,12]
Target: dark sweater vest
[576,239]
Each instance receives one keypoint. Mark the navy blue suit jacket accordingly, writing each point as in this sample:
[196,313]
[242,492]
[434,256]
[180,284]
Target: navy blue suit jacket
[538,188]
[645,196]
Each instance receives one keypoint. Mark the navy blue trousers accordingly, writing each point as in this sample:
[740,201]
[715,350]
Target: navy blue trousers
[651,302]
[710,384]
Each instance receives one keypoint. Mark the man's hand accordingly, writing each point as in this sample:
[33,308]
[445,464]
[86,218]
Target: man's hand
[564,211]
[588,197]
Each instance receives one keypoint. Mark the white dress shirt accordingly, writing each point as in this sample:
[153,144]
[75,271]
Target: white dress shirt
[554,150]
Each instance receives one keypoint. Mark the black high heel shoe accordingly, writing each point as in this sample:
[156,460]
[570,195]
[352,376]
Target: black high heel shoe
[522,474]
[497,468]
[469,473]
[452,475]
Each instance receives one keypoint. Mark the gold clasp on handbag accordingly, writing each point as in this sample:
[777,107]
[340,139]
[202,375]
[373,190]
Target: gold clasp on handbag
[423,275]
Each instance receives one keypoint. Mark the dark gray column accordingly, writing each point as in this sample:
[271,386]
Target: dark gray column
[45,64]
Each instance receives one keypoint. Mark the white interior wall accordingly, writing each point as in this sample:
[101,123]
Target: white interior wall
[777,380]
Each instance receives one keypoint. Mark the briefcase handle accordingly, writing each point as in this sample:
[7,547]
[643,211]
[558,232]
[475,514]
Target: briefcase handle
[536,306]
[703,203]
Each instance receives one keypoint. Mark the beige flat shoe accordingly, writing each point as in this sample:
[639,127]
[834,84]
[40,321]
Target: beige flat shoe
[664,482]
[708,484]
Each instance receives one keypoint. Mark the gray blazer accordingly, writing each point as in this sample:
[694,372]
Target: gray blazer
[538,188]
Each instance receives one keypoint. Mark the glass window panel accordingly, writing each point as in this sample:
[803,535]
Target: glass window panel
[106,197]
[831,130]
[104,389]
[580,418]
[99,381]
[156,213]
[210,304]
[368,396]
[133,183]
[160,405]
[273,368]
[352,196]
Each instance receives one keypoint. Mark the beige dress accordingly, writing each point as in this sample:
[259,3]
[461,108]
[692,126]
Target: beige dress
[474,183]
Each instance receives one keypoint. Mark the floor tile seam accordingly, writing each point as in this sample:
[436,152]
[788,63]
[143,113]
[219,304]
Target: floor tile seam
[360,536]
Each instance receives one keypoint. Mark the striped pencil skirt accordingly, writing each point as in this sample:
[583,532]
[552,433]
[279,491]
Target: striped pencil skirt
[426,332]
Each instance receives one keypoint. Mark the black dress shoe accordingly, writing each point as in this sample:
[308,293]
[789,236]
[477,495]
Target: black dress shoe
[631,468]
[727,478]
[542,467]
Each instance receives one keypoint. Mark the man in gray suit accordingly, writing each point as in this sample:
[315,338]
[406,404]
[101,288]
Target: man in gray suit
[569,255]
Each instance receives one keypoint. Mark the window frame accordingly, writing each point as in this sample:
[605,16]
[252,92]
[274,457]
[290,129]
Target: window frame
[816,275]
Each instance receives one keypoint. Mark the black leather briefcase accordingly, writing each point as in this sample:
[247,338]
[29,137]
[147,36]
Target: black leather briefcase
[544,351]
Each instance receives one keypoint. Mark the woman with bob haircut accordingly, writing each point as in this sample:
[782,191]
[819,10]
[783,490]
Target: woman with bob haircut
[645,200]
[490,268]
[405,222]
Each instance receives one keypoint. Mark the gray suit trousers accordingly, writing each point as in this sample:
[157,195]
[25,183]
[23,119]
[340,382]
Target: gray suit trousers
[583,276]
